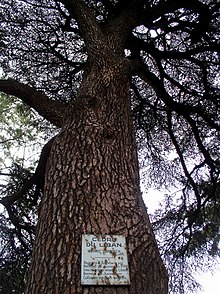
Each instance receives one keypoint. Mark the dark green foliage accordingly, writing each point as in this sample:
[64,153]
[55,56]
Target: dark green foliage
[14,259]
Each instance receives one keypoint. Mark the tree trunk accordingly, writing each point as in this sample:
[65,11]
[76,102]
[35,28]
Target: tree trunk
[92,187]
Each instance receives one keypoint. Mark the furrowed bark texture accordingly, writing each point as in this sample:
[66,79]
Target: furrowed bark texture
[92,186]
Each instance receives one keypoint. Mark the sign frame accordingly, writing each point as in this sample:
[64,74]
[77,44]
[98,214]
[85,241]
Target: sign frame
[104,260]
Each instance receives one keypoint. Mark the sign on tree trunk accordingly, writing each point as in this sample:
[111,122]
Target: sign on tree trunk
[104,260]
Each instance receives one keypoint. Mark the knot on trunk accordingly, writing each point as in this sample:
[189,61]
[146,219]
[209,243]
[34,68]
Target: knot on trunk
[108,133]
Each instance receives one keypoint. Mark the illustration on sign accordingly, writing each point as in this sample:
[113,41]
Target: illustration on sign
[104,260]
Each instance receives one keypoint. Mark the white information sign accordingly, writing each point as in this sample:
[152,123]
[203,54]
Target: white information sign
[104,260]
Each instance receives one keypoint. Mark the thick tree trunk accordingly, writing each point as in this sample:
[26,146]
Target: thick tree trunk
[92,187]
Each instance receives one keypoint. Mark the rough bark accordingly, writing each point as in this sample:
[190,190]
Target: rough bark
[92,186]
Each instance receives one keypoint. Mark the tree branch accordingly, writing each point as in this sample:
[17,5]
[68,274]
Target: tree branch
[164,7]
[53,111]
[140,69]
[200,145]
[136,44]
[36,179]
[124,17]
[177,147]
[88,26]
